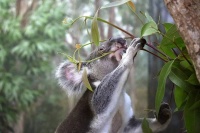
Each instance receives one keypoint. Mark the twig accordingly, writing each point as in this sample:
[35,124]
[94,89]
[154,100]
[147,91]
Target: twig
[154,55]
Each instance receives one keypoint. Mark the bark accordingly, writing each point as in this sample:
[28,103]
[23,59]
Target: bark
[101,27]
[19,125]
[111,20]
[28,10]
[186,14]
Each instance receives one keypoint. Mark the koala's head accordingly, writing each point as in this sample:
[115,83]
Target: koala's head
[114,49]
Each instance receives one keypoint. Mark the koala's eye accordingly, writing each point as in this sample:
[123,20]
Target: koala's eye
[101,48]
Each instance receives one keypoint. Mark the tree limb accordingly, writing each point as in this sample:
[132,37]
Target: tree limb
[186,14]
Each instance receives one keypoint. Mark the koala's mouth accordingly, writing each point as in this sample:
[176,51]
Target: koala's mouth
[118,50]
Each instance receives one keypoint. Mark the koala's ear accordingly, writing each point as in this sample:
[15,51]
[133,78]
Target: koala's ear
[69,78]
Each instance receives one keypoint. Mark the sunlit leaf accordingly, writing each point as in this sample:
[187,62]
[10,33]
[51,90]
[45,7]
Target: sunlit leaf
[115,3]
[172,37]
[86,81]
[145,126]
[149,18]
[161,83]
[95,30]
[149,29]
[131,5]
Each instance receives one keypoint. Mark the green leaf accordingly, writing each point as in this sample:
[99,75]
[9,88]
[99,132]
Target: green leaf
[196,105]
[168,51]
[149,29]
[161,83]
[115,3]
[168,26]
[86,81]
[149,18]
[95,30]
[166,42]
[171,38]
[193,79]
[179,96]
[186,65]
[145,126]
[178,77]
[192,117]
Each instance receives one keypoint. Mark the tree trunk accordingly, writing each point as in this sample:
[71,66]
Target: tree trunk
[19,125]
[186,14]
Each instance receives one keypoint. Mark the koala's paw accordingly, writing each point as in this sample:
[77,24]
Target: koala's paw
[164,114]
[138,43]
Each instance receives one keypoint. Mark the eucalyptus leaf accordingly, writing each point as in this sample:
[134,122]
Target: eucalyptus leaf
[86,81]
[192,117]
[172,37]
[149,29]
[178,77]
[95,30]
[115,3]
[145,126]
[179,96]
[193,79]
[149,18]
[196,105]
[168,26]
[161,83]
[186,65]
[166,42]
[168,51]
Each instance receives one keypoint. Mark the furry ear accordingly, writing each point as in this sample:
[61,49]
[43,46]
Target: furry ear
[69,78]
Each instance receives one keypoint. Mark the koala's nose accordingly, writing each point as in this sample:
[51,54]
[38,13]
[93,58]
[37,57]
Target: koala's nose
[121,41]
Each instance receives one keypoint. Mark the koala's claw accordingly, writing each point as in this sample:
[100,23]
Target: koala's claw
[138,42]
[165,113]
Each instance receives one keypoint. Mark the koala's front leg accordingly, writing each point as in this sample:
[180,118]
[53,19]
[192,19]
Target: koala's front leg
[105,100]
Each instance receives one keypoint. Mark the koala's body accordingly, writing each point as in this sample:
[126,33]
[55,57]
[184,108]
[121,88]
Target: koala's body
[108,108]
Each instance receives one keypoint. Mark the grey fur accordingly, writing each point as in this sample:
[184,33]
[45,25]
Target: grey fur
[95,111]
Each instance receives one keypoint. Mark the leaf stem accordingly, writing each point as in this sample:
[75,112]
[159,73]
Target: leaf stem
[155,55]
[104,21]
[157,50]
[176,46]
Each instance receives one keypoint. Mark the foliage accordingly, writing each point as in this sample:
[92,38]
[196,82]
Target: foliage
[25,53]
[178,67]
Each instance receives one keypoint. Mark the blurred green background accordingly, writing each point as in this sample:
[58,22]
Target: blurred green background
[32,38]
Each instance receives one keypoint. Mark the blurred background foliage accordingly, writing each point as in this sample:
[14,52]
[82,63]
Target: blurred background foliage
[32,37]
[31,33]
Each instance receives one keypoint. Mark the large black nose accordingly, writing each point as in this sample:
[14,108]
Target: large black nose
[118,40]
[121,41]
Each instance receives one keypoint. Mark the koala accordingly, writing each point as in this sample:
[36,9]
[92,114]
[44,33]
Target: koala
[106,109]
